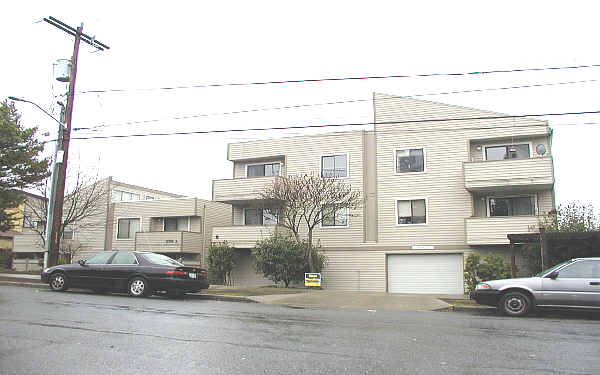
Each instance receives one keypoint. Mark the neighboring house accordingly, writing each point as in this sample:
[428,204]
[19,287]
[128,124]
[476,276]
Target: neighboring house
[178,227]
[27,245]
[433,192]
[130,217]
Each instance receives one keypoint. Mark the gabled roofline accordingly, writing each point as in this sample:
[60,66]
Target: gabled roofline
[492,113]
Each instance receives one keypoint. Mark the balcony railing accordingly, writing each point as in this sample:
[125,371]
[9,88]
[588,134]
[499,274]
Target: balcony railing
[240,189]
[509,175]
[493,230]
[165,242]
[244,236]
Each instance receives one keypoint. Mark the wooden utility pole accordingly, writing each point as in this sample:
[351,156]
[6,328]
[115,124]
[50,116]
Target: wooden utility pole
[57,199]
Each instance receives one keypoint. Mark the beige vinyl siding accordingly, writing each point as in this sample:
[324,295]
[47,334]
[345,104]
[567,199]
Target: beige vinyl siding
[448,203]
[494,230]
[512,174]
[160,207]
[545,202]
[27,242]
[303,156]
[238,215]
[216,215]
[244,274]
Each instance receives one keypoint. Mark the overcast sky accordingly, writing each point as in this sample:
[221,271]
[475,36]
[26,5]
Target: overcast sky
[166,44]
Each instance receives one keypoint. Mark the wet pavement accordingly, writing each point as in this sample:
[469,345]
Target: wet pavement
[84,333]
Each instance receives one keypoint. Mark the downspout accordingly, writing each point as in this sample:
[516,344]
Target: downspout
[202,257]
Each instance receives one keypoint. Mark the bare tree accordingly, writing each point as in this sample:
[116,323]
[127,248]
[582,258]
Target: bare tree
[85,202]
[309,200]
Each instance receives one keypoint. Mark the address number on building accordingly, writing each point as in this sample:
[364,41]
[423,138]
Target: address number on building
[312,279]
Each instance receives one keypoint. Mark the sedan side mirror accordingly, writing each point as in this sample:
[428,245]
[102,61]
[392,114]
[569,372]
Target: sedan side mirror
[553,275]
[81,262]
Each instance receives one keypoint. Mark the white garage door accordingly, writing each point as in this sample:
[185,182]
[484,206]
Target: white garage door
[425,273]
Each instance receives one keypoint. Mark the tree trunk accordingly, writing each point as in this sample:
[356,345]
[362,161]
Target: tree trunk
[309,255]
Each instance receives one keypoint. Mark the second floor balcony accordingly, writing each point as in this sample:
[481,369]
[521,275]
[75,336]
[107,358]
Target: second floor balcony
[493,230]
[169,242]
[240,190]
[244,236]
[509,175]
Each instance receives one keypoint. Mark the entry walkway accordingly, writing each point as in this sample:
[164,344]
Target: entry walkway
[360,300]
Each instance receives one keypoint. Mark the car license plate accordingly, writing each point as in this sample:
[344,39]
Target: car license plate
[192,275]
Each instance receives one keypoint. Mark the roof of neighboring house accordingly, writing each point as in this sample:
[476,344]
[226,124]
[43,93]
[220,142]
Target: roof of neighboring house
[138,187]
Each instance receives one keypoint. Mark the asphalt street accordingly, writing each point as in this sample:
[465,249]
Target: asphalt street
[83,333]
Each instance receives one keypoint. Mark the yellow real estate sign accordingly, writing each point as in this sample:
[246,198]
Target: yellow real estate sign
[312,279]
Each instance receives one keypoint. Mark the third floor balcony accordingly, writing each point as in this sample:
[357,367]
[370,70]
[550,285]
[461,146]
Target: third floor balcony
[240,190]
[509,175]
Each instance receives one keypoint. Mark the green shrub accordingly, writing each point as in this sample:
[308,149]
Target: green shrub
[492,268]
[221,260]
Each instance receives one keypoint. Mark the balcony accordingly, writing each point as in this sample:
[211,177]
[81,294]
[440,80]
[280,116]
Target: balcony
[493,230]
[244,236]
[240,190]
[169,242]
[505,176]
[163,207]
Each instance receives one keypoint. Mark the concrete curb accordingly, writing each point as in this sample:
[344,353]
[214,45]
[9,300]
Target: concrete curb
[474,308]
[23,284]
[221,297]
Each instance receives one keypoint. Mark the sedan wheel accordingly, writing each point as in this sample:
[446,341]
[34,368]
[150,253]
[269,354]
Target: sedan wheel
[138,287]
[58,282]
[515,304]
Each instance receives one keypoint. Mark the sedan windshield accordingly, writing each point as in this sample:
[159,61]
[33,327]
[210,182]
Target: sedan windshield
[552,268]
[163,260]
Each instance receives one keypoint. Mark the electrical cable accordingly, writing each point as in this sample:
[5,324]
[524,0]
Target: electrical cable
[252,110]
[334,79]
[354,124]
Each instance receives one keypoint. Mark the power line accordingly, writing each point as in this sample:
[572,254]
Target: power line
[336,79]
[357,124]
[253,110]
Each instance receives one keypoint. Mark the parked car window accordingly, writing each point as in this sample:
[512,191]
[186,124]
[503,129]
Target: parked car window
[580,270]
[540,274]
[161,259]
[100,258]
[124,258]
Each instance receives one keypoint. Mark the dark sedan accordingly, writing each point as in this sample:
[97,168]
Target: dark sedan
[135,272]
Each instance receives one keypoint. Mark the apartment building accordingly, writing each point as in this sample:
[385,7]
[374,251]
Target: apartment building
[438,181]
[178,227]
[131,217]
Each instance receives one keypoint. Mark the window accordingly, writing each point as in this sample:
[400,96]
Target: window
[334,166]
[68,233]
[512,206]
[161,259]
[411,160]
[119,195]
[127,228]
[520,151]
[100,258]
[124,257]
[412,211]
[263,170]
[258,216]
[581,270]
[177,224]
[335,217]
[148,197]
